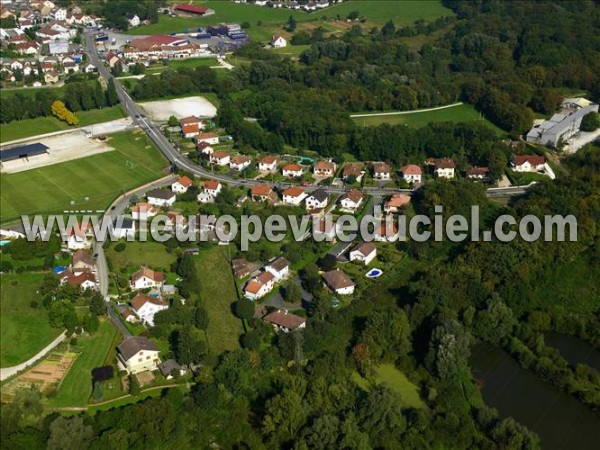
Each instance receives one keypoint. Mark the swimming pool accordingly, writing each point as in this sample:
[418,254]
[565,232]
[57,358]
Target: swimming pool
[4,242]
[59,269]
[374,273]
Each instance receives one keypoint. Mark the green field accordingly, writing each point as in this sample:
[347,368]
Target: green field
[459,113]
[136,254]
[19,129]
[100,178]
[24,331]
[394,379]
[76,388]
[218,293]
[375,12]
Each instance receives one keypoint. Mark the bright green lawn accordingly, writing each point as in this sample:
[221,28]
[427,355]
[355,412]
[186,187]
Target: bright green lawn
[136,254]
[376,12]
[24,331]
[76,387]
[390,376]
[218,293]
[459,113]
[19,129]
[101,178]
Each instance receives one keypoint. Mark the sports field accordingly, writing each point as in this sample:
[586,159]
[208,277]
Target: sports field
[376,12]
[459,113]
[90,183]
[24,330]
[18,129]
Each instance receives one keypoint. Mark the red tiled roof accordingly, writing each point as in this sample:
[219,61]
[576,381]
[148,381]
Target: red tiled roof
[398,201]
[292,168]
[190,128]
[188,120]
[260,189]
[149,273]
[534,160]
[211,185]
[336,279]
[324,166]
[294,191]
[219,155]
[381,168]
[185,181]
[411,169]
[268,160]
[284,319]
[191,8]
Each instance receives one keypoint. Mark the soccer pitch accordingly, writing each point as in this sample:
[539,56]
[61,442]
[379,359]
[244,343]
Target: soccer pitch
[84,184]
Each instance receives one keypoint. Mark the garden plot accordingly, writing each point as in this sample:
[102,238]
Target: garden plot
[179,107]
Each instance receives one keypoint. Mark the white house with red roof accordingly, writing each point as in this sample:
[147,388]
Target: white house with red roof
[146,306]
[220,158]
[292,170]
[294,195]
[528,163]
[147,278]
[239,162]
[190,126]
[84,280]
[143,210]
[268,164]
[412,173]
[181,185]
[442,167]
[209,138]
[259,286]
[80,237]
[324,169]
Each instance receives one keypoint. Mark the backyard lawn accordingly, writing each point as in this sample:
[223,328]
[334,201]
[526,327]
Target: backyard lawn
[388,375]
[218,293]
[99,178]
[136,254]
[76,388]
[24,331]
[19,129]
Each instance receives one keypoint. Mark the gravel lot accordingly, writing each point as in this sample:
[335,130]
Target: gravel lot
[179,107]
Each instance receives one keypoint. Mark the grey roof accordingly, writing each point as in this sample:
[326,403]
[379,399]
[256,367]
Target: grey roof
[131,346]
[160,193]
[279,264]
[126,224]
[320,194]
[167,367]
[23,151]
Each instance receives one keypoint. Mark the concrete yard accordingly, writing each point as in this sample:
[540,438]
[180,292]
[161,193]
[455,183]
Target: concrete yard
[179,107]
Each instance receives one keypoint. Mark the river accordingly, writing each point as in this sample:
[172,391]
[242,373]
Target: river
[573,349]
[559,419]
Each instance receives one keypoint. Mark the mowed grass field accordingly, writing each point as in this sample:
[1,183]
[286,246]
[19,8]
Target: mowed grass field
[391,377]
[136,254]
[375,12]
[100,178]
[76,388]
[218,293]
[19,129]
[456,114]
[24,331]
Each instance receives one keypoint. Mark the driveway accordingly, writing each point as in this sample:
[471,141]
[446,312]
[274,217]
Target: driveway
[276,300]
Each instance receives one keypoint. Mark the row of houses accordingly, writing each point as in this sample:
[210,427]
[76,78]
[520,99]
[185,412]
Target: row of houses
[292,4]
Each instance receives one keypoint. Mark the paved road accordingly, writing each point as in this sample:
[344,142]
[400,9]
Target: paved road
[102,273]
[400,113]
[7,372]
[179,160]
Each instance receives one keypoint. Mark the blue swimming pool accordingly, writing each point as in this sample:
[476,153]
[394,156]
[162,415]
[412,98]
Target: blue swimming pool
[59,269]
[4,242]
[374,273]
[154,295]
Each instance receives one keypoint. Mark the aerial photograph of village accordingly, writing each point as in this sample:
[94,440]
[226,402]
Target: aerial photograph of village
[299,224]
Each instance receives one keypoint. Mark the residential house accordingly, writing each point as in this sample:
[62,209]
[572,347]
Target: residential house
[338,282]
[387,232]
[70,67]
[123,228]
[160,197]
[128,315]
[134,21]
[112,59]
[364,252]
[261,192]
[88,68]
[353,170]
[260,286]
[181,185]
[205,148]
[84,280]
[142,211]
[280,268]
[137,354]
[147,278]
[318,199]
[278,41]
[81,236]
[478,173]
[209,138]
[294,195]
[396,203]
[59,15]
[292,170]
[382,171]
[82,262]
[213,187]
[442,167]
[170,368]
[351,200]
[528,163]
[51,77]
[190,126]
[324,229]
[324,169]
[220,158]
[284,321]
[145,307]
[412,173]
[267,164]
[239,162]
